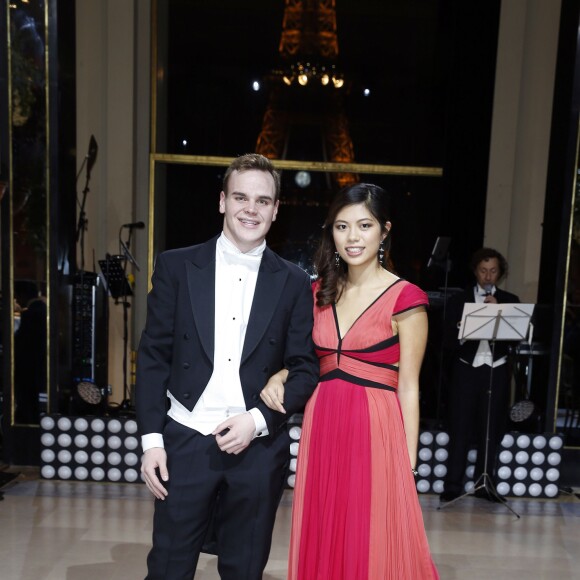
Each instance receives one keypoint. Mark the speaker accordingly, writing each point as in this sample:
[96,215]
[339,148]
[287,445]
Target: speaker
[90,333]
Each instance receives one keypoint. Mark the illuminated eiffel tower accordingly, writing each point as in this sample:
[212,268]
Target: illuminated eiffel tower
[308,89]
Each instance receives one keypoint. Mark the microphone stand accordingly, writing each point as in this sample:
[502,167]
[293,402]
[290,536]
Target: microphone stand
[127,257]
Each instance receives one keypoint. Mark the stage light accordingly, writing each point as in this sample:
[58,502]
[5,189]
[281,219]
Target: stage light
[131,443]
[324,79]
[536,473]
[303,79]
[98,473]
[423,485]
[131,426]
[81,440]
[295,432]
[97,457]
[469,471]
[81,457]
[535,489]
[47,455]
[287,80]
[291,480]
[47,439]
[472,455]
[64,440]
[130,475]
[504,472]
[506,456]
[440,470]
[114,426]
[442,438]
[554,459]
[520,473]
[131,459]
[98,425]
[337,82]
[47,423]
[426,438]
[64,456]
[114,442]
[508,440]
[523,441]
[293,463]
[551,490]
[522,457]
[81,424]
[81,473]
[425,454]
[256,86]
[552,474]
[538,458]
[441,454]
[114,458]
[47,471]
[97,441]
[366,92]
[424,470]
[89,393]
[294,449]
[438,486]
[114,474]
[503,488]
[64,424]
[539,442]
[64,472]
[555,443]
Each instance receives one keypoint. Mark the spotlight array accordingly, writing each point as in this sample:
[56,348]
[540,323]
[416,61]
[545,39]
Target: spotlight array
[526,464]
[90,449]
[108,449]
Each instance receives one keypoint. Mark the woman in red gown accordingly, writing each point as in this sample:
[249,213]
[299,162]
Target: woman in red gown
[356,514]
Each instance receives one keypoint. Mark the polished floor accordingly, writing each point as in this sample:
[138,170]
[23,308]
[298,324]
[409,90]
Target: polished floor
[51,530]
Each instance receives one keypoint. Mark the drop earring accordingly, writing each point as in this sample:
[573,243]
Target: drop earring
[336,260]
[381,252]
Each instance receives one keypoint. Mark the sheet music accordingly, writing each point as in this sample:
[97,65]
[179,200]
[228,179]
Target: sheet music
[495,321]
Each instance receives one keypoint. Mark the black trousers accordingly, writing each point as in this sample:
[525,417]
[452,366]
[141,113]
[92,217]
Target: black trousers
[249,486]
[467,419]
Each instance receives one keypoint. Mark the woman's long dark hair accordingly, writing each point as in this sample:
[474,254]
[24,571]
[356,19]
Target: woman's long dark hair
[331,277]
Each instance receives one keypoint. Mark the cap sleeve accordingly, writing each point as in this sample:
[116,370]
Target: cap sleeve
[410,297]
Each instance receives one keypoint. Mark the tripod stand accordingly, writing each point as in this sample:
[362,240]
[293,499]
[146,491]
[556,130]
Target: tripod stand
[492,322]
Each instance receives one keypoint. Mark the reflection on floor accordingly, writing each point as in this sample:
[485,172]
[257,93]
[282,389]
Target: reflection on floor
[54,530]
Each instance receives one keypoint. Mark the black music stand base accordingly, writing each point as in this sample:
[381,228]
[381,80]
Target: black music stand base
[483,482]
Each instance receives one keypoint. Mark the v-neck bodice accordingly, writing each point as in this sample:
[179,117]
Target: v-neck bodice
[369,350]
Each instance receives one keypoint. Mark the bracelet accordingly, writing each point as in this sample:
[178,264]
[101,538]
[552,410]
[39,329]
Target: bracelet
[414,472]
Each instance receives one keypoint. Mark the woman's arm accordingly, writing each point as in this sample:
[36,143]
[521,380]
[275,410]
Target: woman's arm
[273,393]
[412,327]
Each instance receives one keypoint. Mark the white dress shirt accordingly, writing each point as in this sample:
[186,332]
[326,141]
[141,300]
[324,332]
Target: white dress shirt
[236,275]
[483,355]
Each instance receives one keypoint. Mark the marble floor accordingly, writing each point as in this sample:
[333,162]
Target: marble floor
[53,530]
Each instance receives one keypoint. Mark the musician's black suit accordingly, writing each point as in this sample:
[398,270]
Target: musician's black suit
[467,400]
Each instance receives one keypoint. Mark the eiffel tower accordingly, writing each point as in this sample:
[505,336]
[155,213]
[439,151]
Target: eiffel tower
[306,100]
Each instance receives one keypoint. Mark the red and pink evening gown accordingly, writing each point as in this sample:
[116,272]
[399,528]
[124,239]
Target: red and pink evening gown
[356,514]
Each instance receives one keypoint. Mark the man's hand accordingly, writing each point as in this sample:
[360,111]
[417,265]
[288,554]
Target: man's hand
[155,458]
[239,432]
[490,299]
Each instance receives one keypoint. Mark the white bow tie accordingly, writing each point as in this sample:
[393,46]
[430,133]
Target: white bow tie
[240,259]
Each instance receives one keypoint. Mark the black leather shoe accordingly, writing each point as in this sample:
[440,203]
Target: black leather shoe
[483,493]
[448,496]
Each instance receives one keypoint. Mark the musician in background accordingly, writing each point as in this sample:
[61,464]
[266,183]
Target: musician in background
[468,397]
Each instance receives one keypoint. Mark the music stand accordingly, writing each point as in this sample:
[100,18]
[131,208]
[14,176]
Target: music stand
[113,269]
[492,322]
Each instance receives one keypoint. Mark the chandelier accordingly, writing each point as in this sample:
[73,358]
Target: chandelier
[307,73]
